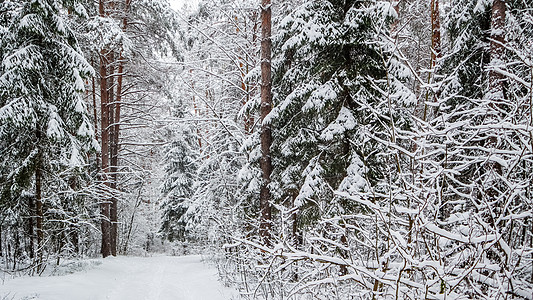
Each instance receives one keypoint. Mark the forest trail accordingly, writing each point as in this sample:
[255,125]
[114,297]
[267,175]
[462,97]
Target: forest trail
[125,278]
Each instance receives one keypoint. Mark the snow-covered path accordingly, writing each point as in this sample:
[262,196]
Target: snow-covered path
[126,278]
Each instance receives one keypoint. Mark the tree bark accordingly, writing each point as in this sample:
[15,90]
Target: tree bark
[435,32]
[435,50]
[104,111]
[31,232]
[94,105]
[115,144]
[266,133]
[111,106]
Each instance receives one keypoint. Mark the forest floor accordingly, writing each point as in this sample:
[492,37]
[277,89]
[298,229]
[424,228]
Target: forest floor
[125,278]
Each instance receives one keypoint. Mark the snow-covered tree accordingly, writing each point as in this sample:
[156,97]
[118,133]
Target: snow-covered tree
[221,39]
[338,101]
[127,42]
[340,105]
[181,164]
[475,186]
[44,128]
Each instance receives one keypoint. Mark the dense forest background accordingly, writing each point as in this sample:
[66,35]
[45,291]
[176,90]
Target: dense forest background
[320,149]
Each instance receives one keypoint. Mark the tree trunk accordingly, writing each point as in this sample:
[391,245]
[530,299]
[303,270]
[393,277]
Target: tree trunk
[435,32]
[435,51]
[31,231]
[94,107]
[115,145]
[104,205]
[112,165]
[496,80]
[113,154]
[39,204]
[266,107]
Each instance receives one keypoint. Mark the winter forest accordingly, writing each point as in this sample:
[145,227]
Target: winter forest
[308,149]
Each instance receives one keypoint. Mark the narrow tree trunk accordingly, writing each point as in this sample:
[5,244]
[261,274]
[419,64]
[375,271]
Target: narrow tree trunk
[435,51]
[104,206]
[16,249]
[435,32]
[39,205]
[113,153]
[496,80]
[115,145]
[112,166]
[94,105]
[266,106]
[31,231]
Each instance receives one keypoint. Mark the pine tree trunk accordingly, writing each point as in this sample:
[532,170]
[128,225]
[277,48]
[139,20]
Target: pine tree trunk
[104,110]
[435,32]
[104,206]
[266,107]
[113,153]
[115,146]
[94,105]
[496,80]
[435,51]
[31,231]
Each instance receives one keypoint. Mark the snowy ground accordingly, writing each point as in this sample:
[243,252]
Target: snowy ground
[125,278]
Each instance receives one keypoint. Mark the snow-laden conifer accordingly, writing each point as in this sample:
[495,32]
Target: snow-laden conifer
[44,126]
[181,164]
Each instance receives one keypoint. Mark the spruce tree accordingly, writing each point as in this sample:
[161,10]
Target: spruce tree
[338,97]
[180,167]
[44,123]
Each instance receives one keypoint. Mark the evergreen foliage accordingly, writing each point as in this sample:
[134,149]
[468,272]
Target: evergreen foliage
[44,124]
[181,167]
[338,97]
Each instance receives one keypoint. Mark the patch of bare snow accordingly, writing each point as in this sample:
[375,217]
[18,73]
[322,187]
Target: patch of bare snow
[126,278]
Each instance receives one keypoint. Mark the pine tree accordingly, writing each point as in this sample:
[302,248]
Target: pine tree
[265,205]
[221,39]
